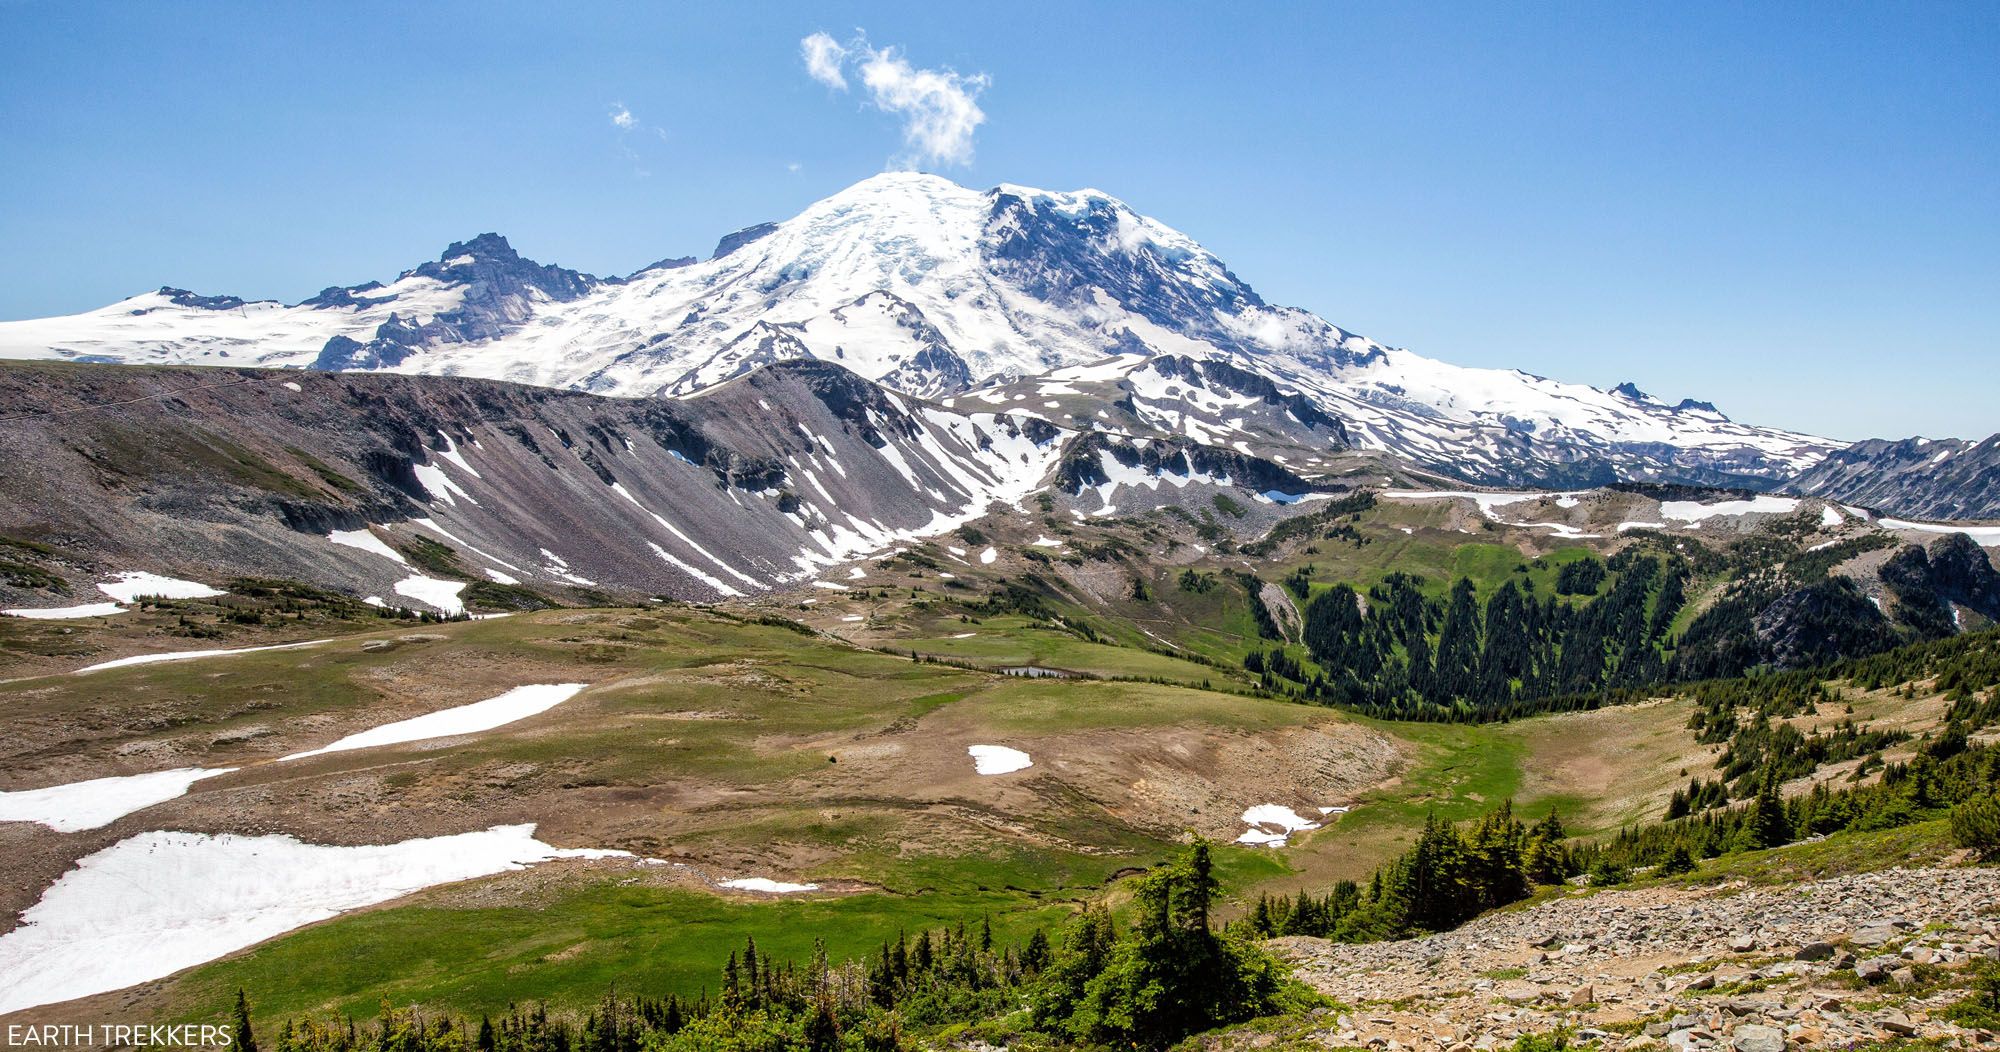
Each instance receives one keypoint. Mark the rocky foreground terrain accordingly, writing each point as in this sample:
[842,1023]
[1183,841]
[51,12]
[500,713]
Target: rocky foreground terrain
[1843,962]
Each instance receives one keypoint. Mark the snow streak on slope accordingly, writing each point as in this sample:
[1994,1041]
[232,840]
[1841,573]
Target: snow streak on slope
[930,287]
[726,500]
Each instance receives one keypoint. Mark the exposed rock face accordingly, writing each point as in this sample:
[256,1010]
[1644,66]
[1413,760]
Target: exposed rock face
[498,291]
[1934,589]
[1663,961]
[753,486]
[1915,477]
[1823,622]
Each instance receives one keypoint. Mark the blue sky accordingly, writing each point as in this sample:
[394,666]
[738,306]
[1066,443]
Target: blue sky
[1791,210]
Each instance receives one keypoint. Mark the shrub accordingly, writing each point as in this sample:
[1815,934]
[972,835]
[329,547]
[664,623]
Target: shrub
[1975,824]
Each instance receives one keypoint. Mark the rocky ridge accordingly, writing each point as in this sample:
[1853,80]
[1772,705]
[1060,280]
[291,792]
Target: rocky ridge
[1837,962]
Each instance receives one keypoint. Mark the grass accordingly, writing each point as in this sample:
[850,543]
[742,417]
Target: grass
[569,948]
[1013,640]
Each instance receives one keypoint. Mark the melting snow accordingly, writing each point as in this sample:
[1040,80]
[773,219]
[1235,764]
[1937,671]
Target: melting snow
[128,587]
[767,885]
[153,904]
[1285,820]
[366,540]
[517,704]
[988,555]
[439,485]
[441,594]
[1988,536]
[1490,502]
[997,759]
[51,613]
[1694,511]
[187,655]
[99,802]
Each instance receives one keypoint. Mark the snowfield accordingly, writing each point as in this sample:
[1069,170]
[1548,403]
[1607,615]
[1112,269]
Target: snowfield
[433,592]
[75,806]
[128,587]
[1272,825]
[517,704]
[998,759]
[64,613]
[190,655]
[153,904]
[125,589]
[766,885]
[1985,536]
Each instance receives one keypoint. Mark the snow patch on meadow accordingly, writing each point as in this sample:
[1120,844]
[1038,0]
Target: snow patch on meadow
[153,904]
[188,655]
[76,806]
[129,586]
[430,590]
[997,759]
[63,613]
[766,885]
[517,704]
[1273,824]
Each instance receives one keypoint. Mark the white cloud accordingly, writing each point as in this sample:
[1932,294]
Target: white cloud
[622,117]
[824,56]
[939,107]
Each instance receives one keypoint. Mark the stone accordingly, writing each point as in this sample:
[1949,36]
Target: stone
[1582,995]
[1751,1037]
[1518,991]
[1701,982]
[1814,951]
[1896,1023]
[1743,943]
[1872,969]
[1873,935]
[1903,977]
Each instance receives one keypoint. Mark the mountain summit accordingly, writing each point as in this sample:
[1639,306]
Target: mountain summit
[935,289]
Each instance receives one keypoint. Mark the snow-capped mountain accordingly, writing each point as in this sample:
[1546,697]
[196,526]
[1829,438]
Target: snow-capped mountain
[931,288]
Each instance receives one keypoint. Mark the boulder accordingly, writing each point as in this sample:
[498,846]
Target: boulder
[1751,1037]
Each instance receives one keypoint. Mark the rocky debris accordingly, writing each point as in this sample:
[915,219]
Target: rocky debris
[1728,967]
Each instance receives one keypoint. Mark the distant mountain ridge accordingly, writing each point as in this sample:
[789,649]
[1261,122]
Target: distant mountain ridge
[1945,478]
[934,289]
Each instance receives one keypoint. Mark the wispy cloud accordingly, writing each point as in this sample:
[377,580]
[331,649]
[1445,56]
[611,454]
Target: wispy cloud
[939,107]
[622,117]
[824,56]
